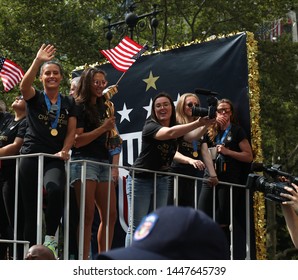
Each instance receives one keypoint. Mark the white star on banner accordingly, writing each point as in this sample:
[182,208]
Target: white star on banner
[124,113]
[175,102]
[148,109]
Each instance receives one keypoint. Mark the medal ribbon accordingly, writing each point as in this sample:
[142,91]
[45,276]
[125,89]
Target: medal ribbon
[221,141]
[48,102]
[195,148]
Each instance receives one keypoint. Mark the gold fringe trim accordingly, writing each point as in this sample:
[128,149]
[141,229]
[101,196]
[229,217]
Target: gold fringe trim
[254,97]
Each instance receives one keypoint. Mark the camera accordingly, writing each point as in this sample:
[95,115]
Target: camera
[212,105]
[270,183]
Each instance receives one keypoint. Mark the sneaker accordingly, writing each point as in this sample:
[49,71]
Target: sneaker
[51,243]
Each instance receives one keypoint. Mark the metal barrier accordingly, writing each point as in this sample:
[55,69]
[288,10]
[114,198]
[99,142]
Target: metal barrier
[16,242]
[82,204]
[230,185]
[39,199]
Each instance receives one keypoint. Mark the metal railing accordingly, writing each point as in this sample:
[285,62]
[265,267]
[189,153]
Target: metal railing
[124,169]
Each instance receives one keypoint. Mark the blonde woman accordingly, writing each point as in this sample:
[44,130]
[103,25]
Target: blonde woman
[192,148]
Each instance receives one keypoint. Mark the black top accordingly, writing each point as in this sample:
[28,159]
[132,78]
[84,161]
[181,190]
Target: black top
[187,149]
[5,118]
[38,138]
[9,132]
[231,141]
[96,149]
[155,154]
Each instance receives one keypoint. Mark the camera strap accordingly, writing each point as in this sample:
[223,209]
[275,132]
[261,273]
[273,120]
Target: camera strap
[224,136]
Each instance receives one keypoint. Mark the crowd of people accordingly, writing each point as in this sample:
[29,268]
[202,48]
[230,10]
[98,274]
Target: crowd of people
[80,126]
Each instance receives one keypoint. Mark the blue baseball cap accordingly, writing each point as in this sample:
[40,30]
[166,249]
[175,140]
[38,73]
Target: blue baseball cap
[174,233]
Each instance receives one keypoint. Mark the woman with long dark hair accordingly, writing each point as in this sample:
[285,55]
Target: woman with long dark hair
[233,150]
[92,143]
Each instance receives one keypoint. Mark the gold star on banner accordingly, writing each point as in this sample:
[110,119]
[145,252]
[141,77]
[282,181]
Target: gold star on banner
[150,81]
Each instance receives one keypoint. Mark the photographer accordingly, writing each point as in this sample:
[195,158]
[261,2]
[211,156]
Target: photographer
[290,211]
[191,149]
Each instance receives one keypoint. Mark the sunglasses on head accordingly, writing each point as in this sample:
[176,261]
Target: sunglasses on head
[20,97]
[190,104]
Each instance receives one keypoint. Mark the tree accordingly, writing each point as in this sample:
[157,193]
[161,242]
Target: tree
[78,30]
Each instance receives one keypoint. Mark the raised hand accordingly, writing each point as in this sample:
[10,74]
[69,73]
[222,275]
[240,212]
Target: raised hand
[46,53]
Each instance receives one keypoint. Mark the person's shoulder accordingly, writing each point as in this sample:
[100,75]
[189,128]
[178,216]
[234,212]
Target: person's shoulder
[239,130]
[37,97]
[236,127]
[81,107]
[69,102]
[39,93]
[151,124]
[5,116]
[67,98]
[151,121]
[5,120]
[23,121]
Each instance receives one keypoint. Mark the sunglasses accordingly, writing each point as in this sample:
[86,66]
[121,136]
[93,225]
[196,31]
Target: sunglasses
[190,104]
[223,110]
[162,105]
[20,97]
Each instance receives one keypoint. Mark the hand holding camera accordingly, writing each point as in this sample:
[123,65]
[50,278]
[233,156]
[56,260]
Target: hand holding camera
[205,121]
[212,104]
[292,197]
[277,185]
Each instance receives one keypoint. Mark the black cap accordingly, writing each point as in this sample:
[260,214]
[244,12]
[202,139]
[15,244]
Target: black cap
[176,233]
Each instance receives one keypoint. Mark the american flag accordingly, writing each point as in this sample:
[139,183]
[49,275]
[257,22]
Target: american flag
[10,73]
[271,30]
[124,54]
[276,30]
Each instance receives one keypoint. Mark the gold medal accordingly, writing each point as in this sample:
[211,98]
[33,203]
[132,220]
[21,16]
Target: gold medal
[54,132]
[195,154]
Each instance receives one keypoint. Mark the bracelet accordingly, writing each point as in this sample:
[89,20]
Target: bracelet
[213,176]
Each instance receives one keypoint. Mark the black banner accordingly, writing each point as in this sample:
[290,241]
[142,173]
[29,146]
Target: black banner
[219,66]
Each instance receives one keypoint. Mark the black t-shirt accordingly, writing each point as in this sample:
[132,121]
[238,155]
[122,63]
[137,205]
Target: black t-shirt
[187,149]
[8,134]
[234,167]
[96,149]
[38,138]
[155,154]
[5,118]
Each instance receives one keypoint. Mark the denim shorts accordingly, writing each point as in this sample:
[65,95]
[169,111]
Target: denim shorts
[94,171]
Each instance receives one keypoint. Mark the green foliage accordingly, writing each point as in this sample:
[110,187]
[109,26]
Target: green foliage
[279,115]
[78,30]
[279,96]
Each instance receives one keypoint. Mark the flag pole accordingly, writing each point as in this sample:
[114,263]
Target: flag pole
[120,78]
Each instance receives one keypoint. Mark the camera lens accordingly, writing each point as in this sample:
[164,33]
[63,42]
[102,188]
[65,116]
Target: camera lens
[199,111]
